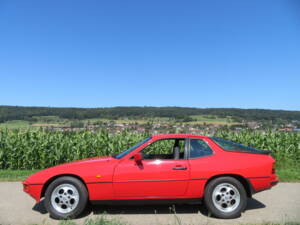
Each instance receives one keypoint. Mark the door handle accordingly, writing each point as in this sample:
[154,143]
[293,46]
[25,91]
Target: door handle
[180,168]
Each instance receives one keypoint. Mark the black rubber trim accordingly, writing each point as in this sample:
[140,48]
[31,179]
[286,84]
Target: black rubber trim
[274,182]
[260,152]
[99,182]
[180,168]
[258,177]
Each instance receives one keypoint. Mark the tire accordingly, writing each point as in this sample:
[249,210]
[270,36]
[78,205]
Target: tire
[225,197]
[65,198]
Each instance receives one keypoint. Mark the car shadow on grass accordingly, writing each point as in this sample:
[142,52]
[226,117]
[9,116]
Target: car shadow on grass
[130,208]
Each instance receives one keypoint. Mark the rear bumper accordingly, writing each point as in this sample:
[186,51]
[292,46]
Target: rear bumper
[273,180]
[259,184]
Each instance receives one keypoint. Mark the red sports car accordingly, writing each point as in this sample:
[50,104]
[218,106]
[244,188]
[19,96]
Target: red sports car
[167,167]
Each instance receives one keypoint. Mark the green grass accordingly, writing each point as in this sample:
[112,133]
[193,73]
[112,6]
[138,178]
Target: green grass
[130,120]
[22,124]
[41,121]
[15,175]
[48,118]
[289,174]
[199,119]
[15,124]
[210,119]
[102,220]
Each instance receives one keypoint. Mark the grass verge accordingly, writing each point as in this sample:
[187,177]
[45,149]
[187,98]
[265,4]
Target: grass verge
[15,175]
[289,174]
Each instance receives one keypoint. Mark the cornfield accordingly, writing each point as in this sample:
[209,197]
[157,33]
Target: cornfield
[31,149]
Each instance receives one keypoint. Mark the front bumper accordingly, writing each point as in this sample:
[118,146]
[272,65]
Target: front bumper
[34,190]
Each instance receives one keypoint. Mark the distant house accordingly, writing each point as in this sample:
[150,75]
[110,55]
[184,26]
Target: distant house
[287,129]
[253,125]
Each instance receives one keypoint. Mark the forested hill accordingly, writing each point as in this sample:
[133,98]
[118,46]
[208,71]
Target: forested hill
[26,113]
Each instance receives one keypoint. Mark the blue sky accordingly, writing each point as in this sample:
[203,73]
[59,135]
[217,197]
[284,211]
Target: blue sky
[156,53]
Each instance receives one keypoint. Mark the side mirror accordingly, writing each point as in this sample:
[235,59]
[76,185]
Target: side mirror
[138,157]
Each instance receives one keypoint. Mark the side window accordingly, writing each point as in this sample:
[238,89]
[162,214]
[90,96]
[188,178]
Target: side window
[199,148]
[166,149]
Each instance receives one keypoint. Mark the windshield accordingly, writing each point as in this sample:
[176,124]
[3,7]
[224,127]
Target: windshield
[230,145]
[122,154]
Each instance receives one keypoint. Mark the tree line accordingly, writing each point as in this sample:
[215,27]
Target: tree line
[27,113]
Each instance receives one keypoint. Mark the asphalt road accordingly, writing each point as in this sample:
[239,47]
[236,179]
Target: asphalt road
[280,204]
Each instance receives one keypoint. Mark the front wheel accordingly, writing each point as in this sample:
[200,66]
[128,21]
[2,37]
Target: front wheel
[65,198]
[225,197]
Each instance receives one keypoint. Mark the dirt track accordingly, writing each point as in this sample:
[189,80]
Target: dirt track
[282,203]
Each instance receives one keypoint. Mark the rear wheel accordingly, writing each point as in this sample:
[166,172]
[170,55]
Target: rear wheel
[65,198]
[225,197]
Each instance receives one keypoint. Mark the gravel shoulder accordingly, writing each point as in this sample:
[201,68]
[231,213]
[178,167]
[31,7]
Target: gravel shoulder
[278,205]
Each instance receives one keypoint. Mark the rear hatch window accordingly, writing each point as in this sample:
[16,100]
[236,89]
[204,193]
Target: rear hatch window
[237,147]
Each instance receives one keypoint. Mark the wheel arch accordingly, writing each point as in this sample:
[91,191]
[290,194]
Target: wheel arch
[244,181]
[50,180]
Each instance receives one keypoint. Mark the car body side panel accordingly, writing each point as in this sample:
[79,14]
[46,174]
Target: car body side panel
[196,188]
[100,191]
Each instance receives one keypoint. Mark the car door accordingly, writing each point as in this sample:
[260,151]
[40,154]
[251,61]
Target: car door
[157,177]
[202,163]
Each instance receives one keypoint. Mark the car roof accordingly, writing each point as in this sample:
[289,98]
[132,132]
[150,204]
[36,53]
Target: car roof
[161,136]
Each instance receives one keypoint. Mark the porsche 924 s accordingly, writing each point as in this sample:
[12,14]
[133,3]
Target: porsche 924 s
[166,167]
